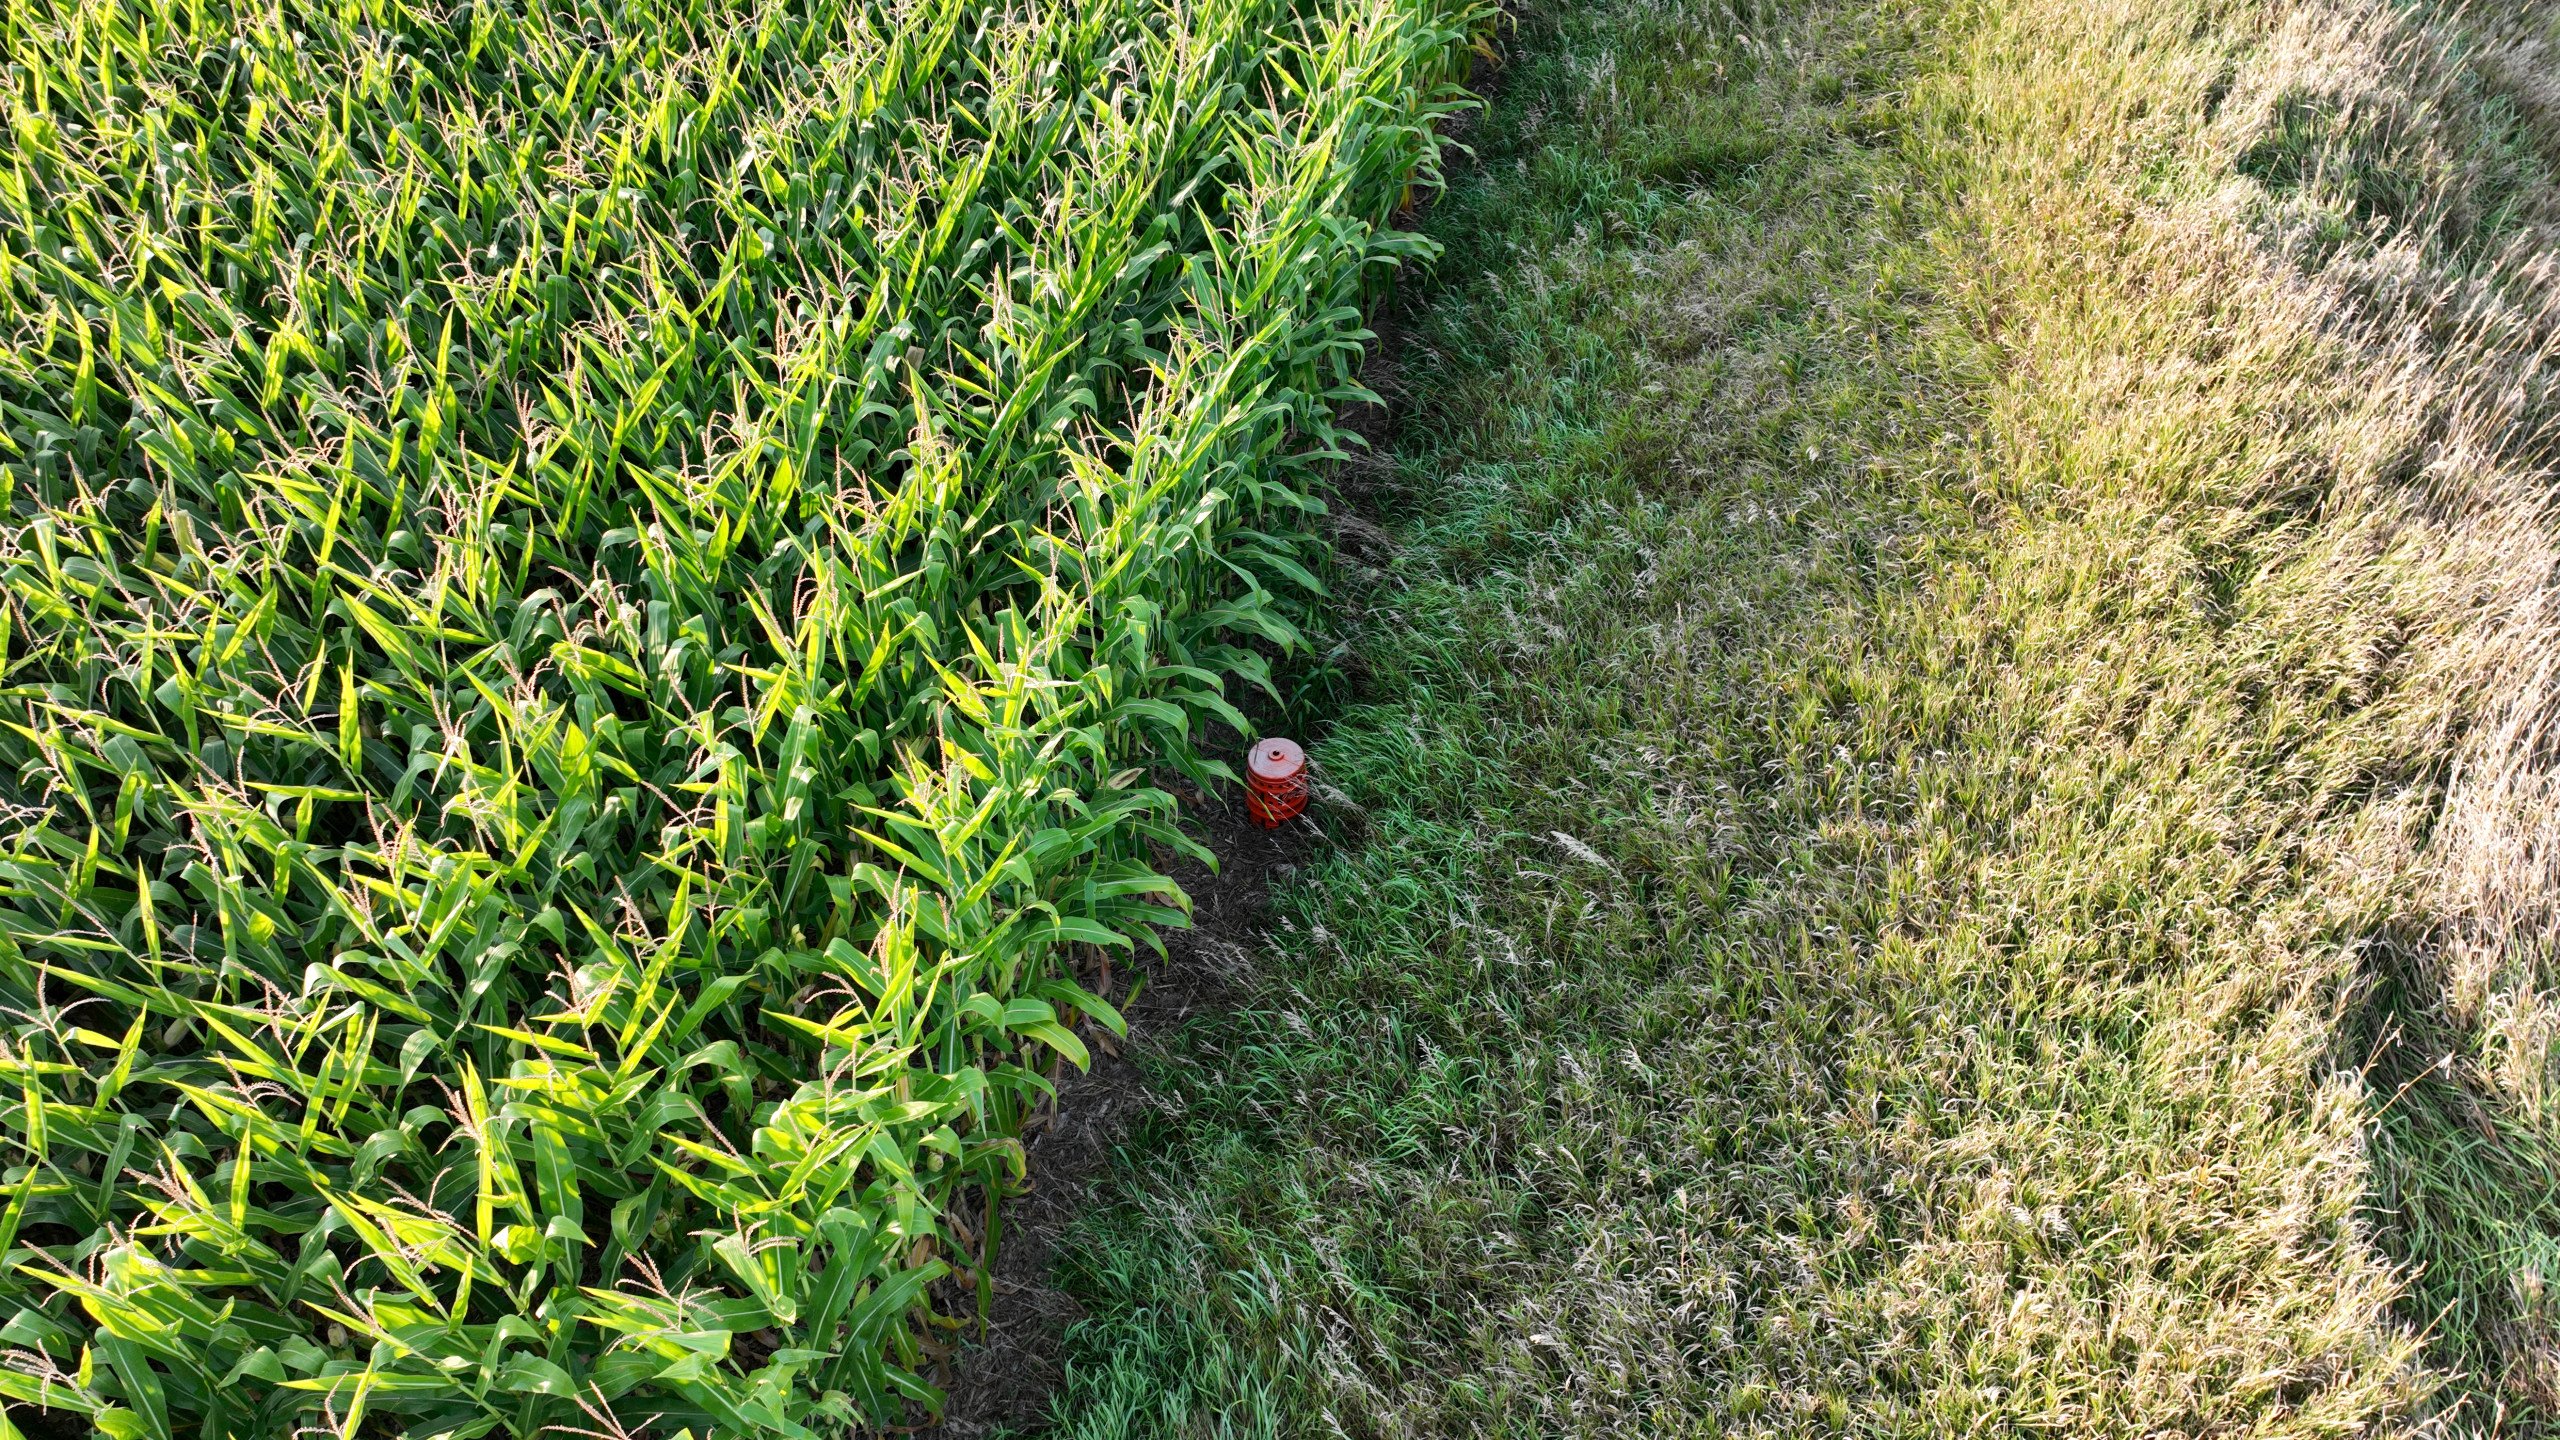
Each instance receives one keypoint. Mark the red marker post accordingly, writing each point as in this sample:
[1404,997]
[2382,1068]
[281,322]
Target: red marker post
[1275,782]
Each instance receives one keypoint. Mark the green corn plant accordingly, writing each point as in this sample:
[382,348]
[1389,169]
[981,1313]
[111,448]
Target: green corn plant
[587,585]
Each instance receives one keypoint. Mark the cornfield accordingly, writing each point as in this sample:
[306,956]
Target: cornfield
[590,596]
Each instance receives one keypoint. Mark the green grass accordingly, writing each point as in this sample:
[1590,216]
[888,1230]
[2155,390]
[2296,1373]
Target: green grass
[585,588]
[1951,756]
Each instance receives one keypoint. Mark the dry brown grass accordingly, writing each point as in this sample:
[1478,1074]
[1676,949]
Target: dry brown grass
[2337,213]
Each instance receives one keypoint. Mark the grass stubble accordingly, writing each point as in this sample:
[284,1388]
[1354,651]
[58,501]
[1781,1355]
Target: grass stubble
[1954,764]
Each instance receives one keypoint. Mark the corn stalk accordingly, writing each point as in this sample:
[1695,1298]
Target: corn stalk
[587,591]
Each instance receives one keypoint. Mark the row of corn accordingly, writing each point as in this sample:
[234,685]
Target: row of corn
[588,590]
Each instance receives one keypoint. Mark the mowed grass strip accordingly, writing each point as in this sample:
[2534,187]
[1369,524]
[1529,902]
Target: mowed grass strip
[583,591]
[1950,759]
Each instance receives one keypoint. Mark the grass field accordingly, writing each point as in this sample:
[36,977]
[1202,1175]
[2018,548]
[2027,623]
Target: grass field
[1952,761]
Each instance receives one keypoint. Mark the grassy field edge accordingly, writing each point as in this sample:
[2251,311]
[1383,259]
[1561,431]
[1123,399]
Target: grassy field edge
[1947,738]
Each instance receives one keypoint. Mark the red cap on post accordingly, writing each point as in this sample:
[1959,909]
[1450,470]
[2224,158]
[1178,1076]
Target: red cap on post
[1276,782]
